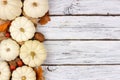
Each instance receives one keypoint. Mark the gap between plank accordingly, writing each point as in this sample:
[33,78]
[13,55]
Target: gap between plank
[82,40]
[108,14]
[79,64]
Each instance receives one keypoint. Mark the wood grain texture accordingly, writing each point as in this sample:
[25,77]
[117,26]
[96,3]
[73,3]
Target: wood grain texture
[64,7]
[82,60]
[83,52]
[82,27]
[82,72]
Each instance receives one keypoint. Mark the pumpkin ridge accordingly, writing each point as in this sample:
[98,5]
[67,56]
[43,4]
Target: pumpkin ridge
[7,7]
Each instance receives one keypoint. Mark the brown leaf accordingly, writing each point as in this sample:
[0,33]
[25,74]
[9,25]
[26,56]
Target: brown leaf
[4,26]
[45,19]
[39,73]
[2,21]
[21,43]
[39,36]
[34,20]
[2,36]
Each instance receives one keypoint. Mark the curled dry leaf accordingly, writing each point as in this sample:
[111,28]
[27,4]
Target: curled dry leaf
[12,65]
[4,26]
[34,20]
[45,19]
[21,43]
[2,21]
[7,34]
[19,62]
[39,73]
[2,36]
[39,36]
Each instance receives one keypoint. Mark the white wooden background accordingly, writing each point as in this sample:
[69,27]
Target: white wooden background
[83,40]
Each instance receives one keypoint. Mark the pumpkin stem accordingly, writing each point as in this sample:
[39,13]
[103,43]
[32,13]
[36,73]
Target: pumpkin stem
[5,2]
[23,78]
[35,4]
[22,30]
[32,54]
[8,49]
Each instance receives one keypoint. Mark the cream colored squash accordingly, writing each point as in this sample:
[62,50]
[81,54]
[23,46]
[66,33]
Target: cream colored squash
[35,8]
[22,29]
[24,73]
[33,53]
[9,50]
[4,71]
[10,9]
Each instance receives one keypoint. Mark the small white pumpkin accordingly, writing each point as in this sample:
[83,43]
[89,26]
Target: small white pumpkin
[9,50]
[35,8]
[24,73]
[22,29]
[10,9]
[4,71]
[33,53]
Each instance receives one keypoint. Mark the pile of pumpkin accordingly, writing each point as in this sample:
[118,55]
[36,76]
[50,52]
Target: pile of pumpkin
[21,46]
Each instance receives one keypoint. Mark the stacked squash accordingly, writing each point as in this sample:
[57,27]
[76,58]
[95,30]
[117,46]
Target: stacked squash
[21,47]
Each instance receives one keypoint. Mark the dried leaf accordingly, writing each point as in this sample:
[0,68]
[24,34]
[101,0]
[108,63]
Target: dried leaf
[2,36]
[4,26]
[39,36]
[39,73]
[45,19]
[21,43]
[2,21]
[34,20]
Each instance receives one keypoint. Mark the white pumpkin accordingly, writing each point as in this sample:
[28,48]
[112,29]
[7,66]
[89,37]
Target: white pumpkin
[35,8]
[24,73]
[22,29]
[9,50]
[10,9]
[33,53]
[4,71]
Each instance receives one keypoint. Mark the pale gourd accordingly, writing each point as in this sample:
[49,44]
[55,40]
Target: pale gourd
[33,53]
[24,73]
[10,9]
[35,8]
[9,50]
[22,29]
[4,71]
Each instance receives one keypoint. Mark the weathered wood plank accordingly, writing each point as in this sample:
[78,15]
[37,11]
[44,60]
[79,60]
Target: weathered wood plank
[82,72]
[83,52]
[82,27]
[63,7]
